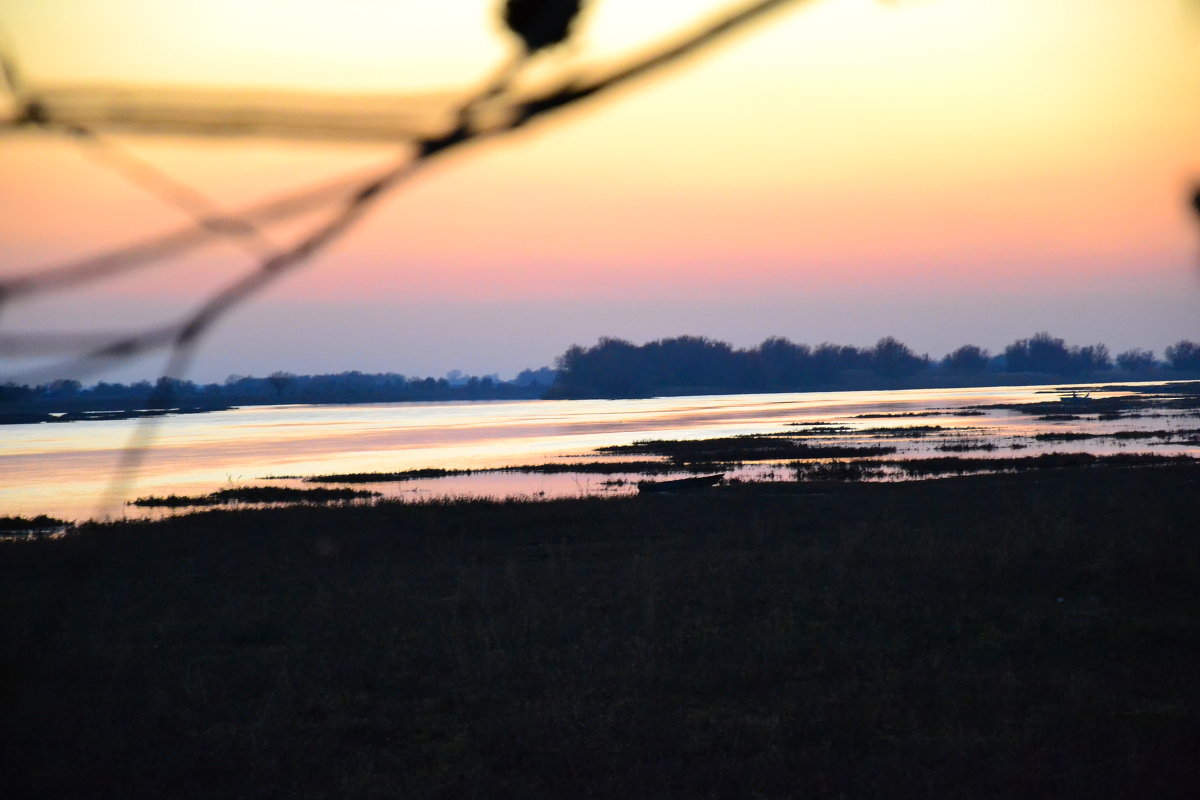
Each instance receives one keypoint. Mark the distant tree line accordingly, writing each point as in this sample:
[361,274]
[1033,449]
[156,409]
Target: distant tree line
[278,387]
[698,365]
[617,368]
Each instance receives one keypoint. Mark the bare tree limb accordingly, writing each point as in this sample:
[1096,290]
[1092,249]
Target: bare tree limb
[357,194]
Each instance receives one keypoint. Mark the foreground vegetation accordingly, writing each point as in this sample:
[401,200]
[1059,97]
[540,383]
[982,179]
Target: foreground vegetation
[996,636]
[27,524]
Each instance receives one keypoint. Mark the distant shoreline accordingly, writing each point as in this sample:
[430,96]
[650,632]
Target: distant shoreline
[83,409]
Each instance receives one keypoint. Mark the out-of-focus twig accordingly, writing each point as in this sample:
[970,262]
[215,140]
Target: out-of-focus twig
[490,112]
[521,112]
[173,192]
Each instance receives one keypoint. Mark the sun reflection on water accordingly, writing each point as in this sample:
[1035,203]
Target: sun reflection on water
[63,469]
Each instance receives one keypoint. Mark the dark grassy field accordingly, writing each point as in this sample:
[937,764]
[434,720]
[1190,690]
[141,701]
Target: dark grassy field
[1018,635]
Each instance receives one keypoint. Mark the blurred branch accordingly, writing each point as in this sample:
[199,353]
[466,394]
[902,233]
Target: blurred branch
[426,127]
[332,118]
[476,119]
[209,113]
[172,192]
[179,241]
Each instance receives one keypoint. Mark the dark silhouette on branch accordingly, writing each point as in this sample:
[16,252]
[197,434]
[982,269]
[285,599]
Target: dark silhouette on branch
[425,136]
[541,23]
[423,128]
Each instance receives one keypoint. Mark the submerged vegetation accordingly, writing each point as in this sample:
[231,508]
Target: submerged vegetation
[256,494]
[866,469]
[740,448]
[987,636]
[846,451]
[1070,404]
[581,467]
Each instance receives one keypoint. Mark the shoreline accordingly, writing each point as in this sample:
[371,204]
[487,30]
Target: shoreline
[749,437]
[25,413]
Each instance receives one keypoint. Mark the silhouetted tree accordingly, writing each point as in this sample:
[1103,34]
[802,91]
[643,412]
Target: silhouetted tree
[1137,360]
[280,380]
[104,388]
[613,368]
[1184,355]
[967,359]
[782,364]
[543,376]
[1044,353]
[831,360]
[169,391]
[1090,358]
[62,388]
[12,393]
[1039,353]
[693,362]
[893,359]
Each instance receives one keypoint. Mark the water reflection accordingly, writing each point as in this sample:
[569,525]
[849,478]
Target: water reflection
[62,469]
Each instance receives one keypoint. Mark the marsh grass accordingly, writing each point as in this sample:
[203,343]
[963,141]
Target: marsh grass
[1183,396]
[735,449]
[943,412]
[255,494]
[961,444]
[552,468]
[957,465]
[902,431]
[1009,635]
[838,470]
[1168,435]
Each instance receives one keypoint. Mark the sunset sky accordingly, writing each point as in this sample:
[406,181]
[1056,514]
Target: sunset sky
[943,171]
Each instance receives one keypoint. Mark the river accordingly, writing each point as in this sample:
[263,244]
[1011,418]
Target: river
[70,470]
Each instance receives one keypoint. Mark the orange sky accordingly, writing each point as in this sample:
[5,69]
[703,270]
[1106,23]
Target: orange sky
[940,170]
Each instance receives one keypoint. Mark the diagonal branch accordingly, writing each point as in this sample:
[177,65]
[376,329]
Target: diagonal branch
[179,241]
[358,194]
[173,192]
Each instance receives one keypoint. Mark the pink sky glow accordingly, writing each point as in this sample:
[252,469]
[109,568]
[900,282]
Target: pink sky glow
[944,171]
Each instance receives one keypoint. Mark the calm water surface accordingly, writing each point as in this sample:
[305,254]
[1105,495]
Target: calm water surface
[67,470]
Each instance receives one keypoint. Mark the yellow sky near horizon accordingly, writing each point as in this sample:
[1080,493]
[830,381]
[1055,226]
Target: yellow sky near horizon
[934,144]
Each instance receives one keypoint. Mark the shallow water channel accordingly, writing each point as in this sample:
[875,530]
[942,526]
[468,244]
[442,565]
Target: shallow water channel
[71,470]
